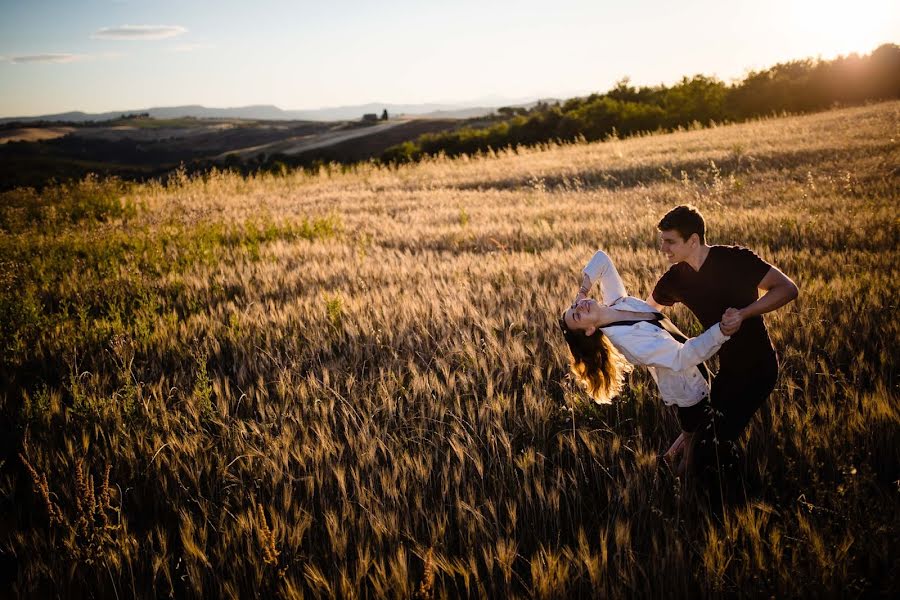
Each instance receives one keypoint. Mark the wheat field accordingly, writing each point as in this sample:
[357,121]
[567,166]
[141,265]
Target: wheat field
[351,384]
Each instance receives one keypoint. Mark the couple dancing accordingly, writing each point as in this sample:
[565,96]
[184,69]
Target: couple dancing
[719,284]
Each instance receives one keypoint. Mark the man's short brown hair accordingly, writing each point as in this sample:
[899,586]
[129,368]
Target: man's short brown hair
[686,220]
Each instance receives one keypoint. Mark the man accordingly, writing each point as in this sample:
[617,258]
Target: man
[710,281]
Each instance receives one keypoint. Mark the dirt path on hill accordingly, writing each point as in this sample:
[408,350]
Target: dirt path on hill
[298,144]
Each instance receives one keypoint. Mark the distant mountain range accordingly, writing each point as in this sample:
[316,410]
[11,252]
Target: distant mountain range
[269,112]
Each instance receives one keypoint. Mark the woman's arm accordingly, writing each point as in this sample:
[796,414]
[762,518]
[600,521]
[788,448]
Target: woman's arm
[650,348]
[601,269]
[584,289]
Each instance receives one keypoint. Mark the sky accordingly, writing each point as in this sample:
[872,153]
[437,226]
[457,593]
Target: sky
[110,55]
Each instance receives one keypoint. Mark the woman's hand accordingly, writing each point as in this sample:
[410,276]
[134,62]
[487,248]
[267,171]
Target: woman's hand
[578,298]
[583,290]
[731,321]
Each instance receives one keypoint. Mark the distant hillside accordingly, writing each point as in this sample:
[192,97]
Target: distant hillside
[268,112]
[141,147]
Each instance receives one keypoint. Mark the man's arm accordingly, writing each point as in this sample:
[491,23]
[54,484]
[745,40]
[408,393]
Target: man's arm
[664,292]
[780,290]
[652,302]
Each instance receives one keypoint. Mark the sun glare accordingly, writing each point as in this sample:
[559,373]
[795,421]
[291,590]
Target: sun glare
[836,27]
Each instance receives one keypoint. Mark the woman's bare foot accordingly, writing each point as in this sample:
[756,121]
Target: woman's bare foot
[687,459]
[672,454]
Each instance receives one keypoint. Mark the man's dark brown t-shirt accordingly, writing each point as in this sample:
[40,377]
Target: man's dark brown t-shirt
[728,278]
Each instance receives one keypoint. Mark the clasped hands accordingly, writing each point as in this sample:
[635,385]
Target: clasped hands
[731,321]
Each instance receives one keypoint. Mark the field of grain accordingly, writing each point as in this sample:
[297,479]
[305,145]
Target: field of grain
[351,384]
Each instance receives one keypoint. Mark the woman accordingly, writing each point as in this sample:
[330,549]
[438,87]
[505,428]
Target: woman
[602,337]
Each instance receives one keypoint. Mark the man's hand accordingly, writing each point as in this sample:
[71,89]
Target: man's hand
[731,321]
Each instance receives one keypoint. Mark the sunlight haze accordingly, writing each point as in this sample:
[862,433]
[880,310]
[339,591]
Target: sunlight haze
[104,55]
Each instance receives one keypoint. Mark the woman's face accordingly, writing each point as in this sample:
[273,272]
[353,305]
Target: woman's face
[583,315]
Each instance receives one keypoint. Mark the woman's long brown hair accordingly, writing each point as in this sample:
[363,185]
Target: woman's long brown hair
[596,364]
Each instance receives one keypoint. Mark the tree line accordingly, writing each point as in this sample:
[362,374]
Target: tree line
[796,87]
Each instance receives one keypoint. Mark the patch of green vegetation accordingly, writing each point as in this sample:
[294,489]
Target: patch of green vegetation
[94,284]
[36,407]
[334,308]
[202,393]
[91,199]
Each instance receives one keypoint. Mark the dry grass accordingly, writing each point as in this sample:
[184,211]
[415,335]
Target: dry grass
[350,384]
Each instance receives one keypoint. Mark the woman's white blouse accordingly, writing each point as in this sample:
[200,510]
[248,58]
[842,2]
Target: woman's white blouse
[673,365]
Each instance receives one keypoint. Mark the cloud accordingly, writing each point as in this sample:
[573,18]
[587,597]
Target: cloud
[138,32]
[44,58]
